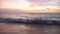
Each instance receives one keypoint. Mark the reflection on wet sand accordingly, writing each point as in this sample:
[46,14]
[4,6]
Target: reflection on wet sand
[15,28]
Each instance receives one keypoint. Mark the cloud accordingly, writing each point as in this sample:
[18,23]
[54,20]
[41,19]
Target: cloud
[23,4]
[14,4]
[45,2]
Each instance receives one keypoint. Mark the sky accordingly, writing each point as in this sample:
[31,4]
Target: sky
[30,4]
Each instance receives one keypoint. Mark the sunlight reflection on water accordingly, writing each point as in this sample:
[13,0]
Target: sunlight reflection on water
[53,15]
[46,16]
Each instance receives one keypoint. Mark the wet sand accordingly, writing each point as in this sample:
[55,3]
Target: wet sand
[17,28]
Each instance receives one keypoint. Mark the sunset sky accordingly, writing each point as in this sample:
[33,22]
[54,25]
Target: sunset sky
[30,4]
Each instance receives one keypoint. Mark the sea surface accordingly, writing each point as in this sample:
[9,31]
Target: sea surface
[18,28]
[52,16]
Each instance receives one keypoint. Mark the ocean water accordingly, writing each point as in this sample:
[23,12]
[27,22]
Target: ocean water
[52,16]
[19,28]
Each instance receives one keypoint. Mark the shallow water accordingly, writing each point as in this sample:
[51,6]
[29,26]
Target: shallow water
[17,28]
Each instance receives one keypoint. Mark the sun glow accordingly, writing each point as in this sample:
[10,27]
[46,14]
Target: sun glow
[29,5]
